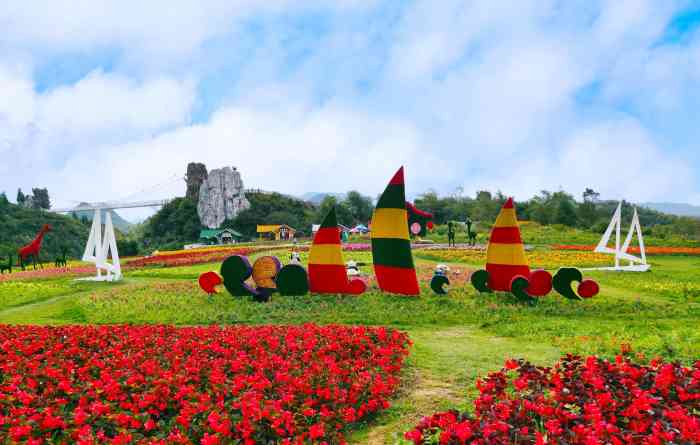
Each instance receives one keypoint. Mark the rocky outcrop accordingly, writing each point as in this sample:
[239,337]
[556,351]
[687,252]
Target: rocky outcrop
[196,174]
[221,197]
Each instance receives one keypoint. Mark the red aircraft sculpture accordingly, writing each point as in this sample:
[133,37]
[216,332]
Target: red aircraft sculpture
[32,249]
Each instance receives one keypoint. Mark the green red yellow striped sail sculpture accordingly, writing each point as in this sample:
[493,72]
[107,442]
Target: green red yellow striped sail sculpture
[391,245]
[327,272]
[507,269]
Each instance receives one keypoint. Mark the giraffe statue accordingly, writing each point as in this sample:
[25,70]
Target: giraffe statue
[32,249]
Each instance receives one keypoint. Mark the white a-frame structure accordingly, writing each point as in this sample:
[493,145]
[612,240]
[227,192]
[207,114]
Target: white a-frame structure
[636,264]
[99,247]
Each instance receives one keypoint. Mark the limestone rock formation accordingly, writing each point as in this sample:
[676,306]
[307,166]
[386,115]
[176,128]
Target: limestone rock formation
[196,174]
[221,197]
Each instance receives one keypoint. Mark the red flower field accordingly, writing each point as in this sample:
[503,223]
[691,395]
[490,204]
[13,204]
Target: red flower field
[208,385]
[591,402]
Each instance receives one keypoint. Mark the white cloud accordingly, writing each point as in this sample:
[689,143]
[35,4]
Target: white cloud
[480,93]
[618,158]
[291,150]
[107,102]
[155,29]
[39,131]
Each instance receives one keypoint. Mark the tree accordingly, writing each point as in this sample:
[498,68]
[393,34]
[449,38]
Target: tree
[3,198]
[431,203]
[40,199]
[360,206]
[342,211]
[590,195]
[587,209]
[262,205]
[177,221]
[566,213]
[20,197]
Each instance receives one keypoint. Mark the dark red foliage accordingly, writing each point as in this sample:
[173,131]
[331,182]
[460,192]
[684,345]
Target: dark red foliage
[209,385]
[586,402]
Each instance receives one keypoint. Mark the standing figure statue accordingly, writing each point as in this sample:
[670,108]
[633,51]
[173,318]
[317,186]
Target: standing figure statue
[471,235]
[7,266]
[450,234]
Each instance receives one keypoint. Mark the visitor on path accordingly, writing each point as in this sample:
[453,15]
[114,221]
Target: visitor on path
[450,234]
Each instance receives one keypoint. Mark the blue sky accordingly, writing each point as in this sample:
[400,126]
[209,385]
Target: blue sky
[310,95]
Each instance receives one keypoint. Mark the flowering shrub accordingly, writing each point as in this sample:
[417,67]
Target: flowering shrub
[591,401]
[209,385]
[650,250]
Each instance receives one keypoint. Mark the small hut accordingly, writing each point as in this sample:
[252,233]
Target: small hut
[219,236]
[276,232]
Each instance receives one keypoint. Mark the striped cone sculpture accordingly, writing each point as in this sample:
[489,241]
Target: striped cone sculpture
[391,245]
[505,255]
[327,273]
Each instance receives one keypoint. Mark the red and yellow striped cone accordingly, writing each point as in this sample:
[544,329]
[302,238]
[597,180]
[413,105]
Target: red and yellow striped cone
[391,245]
[327,273]
[505,256]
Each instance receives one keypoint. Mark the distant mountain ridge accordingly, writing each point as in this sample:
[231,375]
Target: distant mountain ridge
[674,208]
[317,197]
[119,223]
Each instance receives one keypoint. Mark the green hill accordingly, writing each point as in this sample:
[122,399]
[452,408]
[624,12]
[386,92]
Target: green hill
[19,226]
[119,223]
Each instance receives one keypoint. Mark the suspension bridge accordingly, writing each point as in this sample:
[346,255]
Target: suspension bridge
[114,205]
[131,201]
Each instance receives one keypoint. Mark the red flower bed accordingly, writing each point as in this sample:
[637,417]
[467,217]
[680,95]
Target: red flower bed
[587,402]
[209,385]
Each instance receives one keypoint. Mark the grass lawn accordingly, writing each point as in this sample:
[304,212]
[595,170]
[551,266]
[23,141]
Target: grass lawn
[456,338]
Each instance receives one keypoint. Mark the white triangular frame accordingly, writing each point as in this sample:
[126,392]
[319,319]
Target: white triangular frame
[636,264]
[99,247]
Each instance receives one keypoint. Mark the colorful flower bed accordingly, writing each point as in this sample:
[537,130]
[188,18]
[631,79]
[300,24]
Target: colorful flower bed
[546,259]
[650,250]
[72,270]
[586,402]
[208,385]
[350,247]
[193,256]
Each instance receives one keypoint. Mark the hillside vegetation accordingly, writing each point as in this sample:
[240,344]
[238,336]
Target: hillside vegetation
[591,215]
[19,226]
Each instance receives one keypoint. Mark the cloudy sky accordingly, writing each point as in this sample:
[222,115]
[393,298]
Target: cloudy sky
[106,100]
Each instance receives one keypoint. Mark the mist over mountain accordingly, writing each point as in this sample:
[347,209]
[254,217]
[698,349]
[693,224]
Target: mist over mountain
[119,223]
[317,197]
[674,208]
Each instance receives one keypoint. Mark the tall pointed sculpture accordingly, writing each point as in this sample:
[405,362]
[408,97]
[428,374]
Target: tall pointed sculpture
[636,264]
[391,245]
[327,273]
[98,249]
[505,255]
[507,269]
